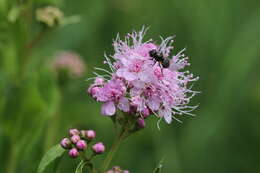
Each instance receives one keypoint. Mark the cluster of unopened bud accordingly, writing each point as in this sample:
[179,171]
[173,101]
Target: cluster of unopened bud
[79,140]
[140,122]
[117,169]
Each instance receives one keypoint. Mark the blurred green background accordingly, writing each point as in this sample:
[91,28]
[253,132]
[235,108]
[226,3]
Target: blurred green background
[223,42]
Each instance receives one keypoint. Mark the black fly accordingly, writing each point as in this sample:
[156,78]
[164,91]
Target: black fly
[158,56]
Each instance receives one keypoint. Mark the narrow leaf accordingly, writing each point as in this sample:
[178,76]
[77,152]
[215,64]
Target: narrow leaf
[52,154]
[14,14]
[158,169]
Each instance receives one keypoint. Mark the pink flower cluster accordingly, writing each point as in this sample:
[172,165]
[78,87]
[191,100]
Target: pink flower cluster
[117,169]
[70,61]
[138,84]
[79,140]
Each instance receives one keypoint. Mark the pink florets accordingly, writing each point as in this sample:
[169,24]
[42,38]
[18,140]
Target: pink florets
[138,82]
[117,169]
[69,61]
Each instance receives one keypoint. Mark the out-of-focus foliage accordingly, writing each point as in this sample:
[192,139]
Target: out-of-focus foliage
[222,40]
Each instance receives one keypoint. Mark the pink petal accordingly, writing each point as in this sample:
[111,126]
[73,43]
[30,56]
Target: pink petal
[153,103]
[123,104]
[108,108]
[120,72]
[166,114]
[124,73]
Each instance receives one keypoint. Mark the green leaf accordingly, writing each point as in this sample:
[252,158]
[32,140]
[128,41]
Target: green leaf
[14,14]
[158,169]
[51,155]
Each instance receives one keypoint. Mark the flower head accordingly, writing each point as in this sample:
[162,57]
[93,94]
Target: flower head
[75,138]
[73,132]
[98,148]
[90,134]
[73,153]
[70,62]
[140,123]
[65,143]
[117,169]
[81,145]
[141,81]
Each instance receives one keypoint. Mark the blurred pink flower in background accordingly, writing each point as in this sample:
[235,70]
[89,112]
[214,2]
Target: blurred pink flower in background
[117,169]
[69,61]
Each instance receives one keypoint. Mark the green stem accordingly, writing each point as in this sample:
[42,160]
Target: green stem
[53,127]
[29,49]
[94,170]
[11,167]
[113,150]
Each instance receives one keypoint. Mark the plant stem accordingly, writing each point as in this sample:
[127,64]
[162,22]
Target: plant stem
[11,167]
[54,126]
[113,150]
[29,49]
[94,170]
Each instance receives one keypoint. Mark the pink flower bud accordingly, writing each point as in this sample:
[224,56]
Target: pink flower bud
[146,113]
[81,145]
[116,169]
[90,134]
[65,143]
[99,81]
[133,109]
[93,91]
[98,148]
[126,171]
[73,153]
[73,132]
[75,138]
[140,123]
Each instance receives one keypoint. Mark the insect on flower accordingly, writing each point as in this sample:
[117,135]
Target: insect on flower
[136,83]
[158,57]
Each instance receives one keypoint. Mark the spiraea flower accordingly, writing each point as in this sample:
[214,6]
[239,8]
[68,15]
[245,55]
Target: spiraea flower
[144,79]
[117,169]
[70,62]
